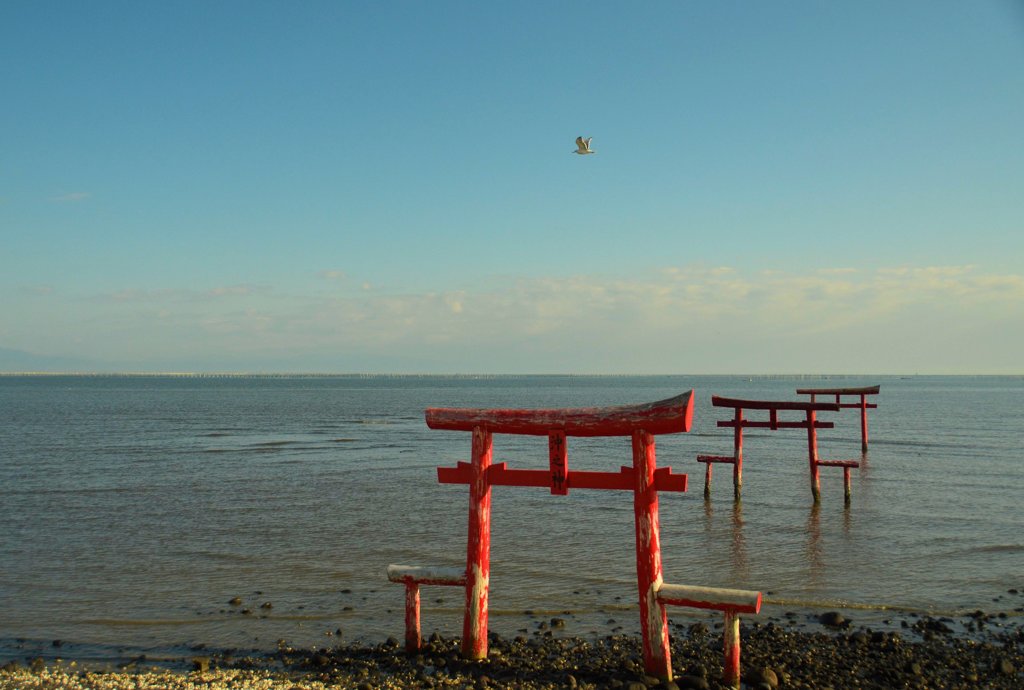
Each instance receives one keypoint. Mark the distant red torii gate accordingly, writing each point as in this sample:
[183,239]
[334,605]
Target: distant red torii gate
[643,478]
[863,405]
[773,407]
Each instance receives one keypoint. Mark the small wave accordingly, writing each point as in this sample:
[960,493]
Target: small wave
[147,623]
[825,604]
[309,616]
[217,556]
[343,440]
[998,548]
[74,492]
[971,445]
[268,448]
[834,603]
[969,550]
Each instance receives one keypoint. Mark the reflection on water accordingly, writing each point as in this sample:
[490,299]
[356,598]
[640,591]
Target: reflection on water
[815,562]
[739,549]
[736,539]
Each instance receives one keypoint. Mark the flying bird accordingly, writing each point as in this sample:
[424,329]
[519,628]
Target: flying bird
[583,145]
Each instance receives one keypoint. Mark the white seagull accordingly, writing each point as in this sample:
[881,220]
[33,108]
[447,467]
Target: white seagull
[583,146]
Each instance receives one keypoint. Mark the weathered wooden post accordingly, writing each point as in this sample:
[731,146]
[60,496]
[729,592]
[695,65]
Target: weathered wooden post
[863,422]
[478,552]
[653,618]
[737,466]
[413,638]
[812,451]
[731,647]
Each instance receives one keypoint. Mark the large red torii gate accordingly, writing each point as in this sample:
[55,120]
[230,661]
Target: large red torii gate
[643,478]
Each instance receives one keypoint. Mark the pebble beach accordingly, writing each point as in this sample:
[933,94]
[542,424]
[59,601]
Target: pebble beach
[927,653]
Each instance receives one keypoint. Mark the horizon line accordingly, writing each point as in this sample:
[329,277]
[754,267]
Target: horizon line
[355,374]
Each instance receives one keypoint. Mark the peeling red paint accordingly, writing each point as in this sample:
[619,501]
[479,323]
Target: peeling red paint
[671,416]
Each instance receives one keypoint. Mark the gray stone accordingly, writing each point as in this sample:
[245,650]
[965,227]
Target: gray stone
[762,675]
[692,683]
[833,619]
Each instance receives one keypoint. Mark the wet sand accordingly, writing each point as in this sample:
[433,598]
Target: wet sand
[927,653]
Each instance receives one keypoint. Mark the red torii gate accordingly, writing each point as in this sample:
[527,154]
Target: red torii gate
[810,423]
[643,478]
[863,405]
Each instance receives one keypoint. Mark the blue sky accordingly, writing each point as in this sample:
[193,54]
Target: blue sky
[388,187]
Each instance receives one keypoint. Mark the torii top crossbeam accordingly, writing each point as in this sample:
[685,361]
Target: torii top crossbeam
[671,416]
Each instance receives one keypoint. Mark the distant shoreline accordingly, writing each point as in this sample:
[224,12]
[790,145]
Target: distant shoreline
[357,375]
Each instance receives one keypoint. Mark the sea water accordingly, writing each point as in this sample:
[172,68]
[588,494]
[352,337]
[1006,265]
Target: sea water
[133,509]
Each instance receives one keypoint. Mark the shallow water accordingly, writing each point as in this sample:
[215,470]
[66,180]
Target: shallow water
[134,508]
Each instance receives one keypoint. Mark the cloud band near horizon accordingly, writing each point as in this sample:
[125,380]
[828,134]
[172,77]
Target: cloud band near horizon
[942,319]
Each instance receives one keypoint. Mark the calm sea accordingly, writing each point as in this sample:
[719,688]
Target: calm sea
[133,508]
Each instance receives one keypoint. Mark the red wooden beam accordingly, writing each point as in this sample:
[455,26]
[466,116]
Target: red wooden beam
[778,425]
[865,390]
[718,401]
[500,475]
[717,598]
[670,416]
